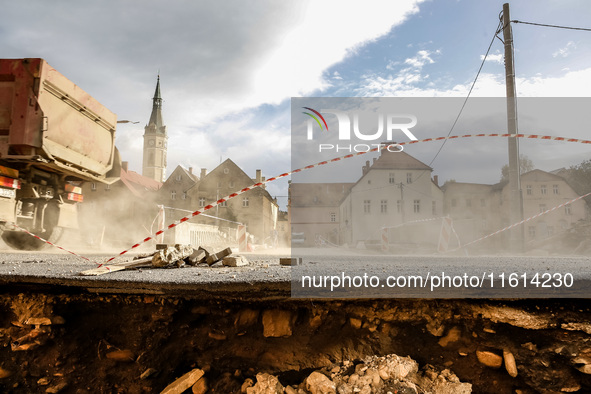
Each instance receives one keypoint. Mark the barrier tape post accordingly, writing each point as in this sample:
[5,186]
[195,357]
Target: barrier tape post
[385,242]
[241,236]
[444,235]
[161,222]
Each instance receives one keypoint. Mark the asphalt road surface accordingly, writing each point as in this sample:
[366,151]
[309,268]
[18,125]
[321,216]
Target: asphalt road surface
[332,273]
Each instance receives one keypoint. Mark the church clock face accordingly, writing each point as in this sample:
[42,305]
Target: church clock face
[151,142]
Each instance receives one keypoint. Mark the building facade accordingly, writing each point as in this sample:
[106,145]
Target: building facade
[479,209]
[314,212]
[184,192]
[395,192]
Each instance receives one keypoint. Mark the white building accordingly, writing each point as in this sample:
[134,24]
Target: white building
[395,190]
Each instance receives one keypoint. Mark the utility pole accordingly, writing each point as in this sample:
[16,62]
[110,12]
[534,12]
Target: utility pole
[515,200]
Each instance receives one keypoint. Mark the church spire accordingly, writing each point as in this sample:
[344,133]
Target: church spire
[156,117]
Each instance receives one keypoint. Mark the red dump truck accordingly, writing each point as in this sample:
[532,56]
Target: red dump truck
[53,137]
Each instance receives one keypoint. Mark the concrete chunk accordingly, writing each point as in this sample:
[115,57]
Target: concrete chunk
[214,258]
[172,255]
[235,261]
[197,257]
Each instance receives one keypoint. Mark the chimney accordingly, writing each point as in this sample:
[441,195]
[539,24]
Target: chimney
[436,180]
[191,170]
[258,176]
[203,173]
[124,165]
[263,180]
[365,168]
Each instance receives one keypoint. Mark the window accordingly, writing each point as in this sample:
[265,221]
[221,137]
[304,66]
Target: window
[531,231]
[567,209]
[417,206]
[384,206]
[226,171]
[542,207]
[555,189]
[366,206]
[399,206]
[543,189]
[434,208]
[179,178]
[392,180]
[224,204]
[108,187]
[201,202]
[468,202]
[245,202]
[93,187]
[333,217]
[369,181]
[528,190]
[454,202]
[173,195]
[409,177]
[184,196]
[231,184]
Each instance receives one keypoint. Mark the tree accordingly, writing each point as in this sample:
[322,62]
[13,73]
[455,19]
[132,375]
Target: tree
[525,165]
[579,178]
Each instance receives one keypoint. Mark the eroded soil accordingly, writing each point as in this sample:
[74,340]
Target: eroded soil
[97,343]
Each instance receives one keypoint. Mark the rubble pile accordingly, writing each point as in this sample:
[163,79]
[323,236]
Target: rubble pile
[375,375]
[175,256]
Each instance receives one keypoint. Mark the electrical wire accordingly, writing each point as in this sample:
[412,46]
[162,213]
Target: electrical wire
[498,29]
[555,26]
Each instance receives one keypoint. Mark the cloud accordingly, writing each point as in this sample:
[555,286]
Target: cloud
[566,50]
[421,58]
[498,58]
[568,84]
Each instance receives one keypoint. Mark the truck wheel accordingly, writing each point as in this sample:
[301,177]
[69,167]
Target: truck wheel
[23,241]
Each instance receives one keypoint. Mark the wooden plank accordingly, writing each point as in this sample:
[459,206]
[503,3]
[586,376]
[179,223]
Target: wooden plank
[107,269]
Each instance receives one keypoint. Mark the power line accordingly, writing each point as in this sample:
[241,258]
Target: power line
[555,26]
[498,29]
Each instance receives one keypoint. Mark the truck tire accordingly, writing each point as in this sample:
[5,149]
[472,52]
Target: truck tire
[22,241]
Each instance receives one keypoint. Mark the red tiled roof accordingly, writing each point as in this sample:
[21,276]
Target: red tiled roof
[138,184]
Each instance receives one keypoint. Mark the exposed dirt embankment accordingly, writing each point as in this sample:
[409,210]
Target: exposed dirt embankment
[129,343]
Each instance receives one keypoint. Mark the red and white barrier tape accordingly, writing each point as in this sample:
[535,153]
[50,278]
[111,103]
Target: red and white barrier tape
[46,241]
[522,222]
[285,174]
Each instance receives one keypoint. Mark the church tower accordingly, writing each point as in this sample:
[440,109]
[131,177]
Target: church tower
[154,163]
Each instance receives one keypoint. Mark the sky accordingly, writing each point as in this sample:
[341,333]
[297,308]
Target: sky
[229,69]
